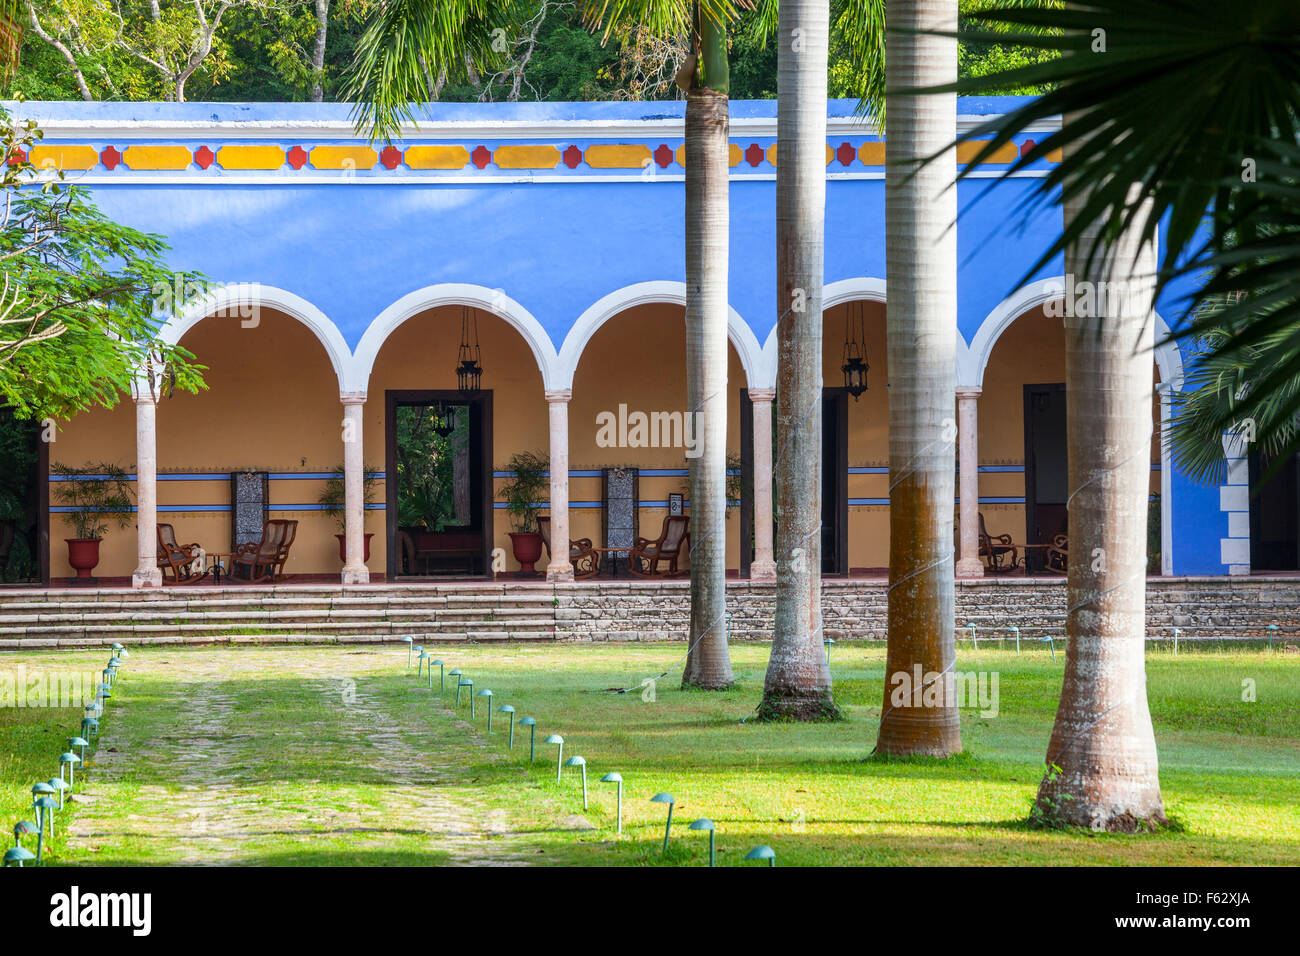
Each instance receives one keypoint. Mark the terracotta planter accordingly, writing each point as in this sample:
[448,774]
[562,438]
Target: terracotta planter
[83,555]
[527,548]
[343,547]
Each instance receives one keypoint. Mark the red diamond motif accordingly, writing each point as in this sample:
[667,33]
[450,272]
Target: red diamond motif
[664,156]
[110,157]
[1026,146]
[391,157]
[204,157]
[754,154]
[572,157]
[297,157]
[846,154]
[481,156]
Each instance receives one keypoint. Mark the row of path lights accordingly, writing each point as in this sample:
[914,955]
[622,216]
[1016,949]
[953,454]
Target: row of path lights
[43,794]
[761,852]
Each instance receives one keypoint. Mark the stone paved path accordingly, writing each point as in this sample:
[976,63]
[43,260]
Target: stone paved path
[209,771]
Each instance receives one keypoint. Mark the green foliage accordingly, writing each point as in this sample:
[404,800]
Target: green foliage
[426,468]
[99,491]
[78,294]
[334,495]
[526,490]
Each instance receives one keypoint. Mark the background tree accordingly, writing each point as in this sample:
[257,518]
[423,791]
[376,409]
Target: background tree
[79,295]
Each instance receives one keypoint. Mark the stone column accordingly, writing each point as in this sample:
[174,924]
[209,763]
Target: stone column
[354,495]
[559,568]
[763,567]
[968,561]
[147,574]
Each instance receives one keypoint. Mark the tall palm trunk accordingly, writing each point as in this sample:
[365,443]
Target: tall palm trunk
[1102,766]
[918,716]
[798,681]
[708,663]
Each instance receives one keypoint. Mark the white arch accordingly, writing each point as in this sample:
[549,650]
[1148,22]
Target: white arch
[493,301]
[646,293]
[235,300]
[1033,296]
[1168,359]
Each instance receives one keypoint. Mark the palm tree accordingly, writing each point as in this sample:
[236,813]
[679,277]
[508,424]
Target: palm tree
[918,716]
[1174,129]
[798,683]
[705,77]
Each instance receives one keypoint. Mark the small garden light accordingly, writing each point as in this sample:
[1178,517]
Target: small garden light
[975,640]
[442,680]
[1176,633]
[485,692]
[89,726]
[576,761]
[456,673]
[828,643]
[1051,644]
[704,823]
[531,724]
[618,779]
[118,650]
[507,709]
[59,784]
[762,853]
[1272,632]
[42,801]
[559,758]
[419,663]
[80,742]
[466,682]
[23,828]
[16,856]
[406,639]
[71,760]
[668,828]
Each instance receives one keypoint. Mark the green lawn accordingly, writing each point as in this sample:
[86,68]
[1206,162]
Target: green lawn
[333,755]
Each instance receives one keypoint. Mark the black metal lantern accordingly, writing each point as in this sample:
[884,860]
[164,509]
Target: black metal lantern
[855,365]
[443,419]
[468,370]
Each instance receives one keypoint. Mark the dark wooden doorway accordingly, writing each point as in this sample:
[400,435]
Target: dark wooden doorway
[463,545]
[24,503]
[1275,515]
[1046,462]
[835,475]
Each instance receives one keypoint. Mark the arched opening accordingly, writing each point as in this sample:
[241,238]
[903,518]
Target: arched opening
[1022,441]
[440,490]
[629,438]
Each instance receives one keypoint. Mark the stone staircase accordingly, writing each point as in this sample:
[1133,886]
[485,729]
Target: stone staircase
[855,609]
[80,617]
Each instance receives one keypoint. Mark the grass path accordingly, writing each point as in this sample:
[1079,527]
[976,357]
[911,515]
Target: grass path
[257,756]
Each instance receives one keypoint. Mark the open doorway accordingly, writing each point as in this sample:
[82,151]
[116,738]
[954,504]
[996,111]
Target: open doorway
[1046,462]
[1275,516]
[24,503]
[439,487]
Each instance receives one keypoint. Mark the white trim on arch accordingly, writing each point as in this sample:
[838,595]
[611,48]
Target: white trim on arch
[1168,359]
[493,301]
[236,297]
[666,291]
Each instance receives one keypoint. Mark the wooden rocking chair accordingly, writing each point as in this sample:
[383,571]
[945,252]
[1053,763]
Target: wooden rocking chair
[1058,555]
[180,563]
[645,555]
[999,553]
[264,561]
[585,560]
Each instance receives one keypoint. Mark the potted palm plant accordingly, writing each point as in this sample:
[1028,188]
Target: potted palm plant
[97,494]
[332,499]
[522,494]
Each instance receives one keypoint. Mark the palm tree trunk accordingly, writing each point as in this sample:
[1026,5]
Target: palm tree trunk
[708,663]
[918,716]
[798,683]
[1102,765]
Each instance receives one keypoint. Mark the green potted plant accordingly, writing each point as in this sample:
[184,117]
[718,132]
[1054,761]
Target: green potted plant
[522,494]
[332,499]
[98,494]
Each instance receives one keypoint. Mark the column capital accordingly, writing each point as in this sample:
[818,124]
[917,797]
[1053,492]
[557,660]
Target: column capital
[554,395]
[969,391]
[352,398]
[759,395]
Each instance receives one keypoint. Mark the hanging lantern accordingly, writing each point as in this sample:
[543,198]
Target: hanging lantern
[468,370]
[443,419]
[855,351]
